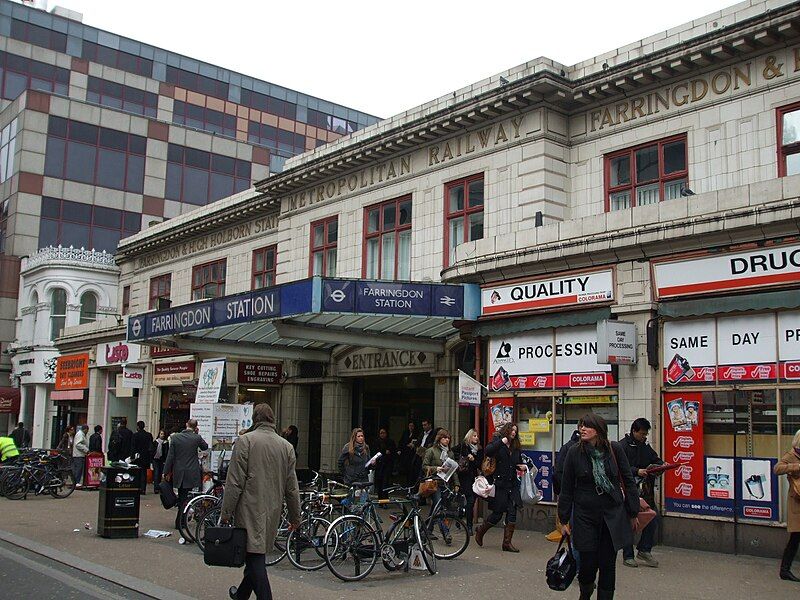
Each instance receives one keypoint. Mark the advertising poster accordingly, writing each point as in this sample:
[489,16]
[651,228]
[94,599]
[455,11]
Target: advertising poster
[94,461]
[212,376]
[789,346]
[469,391]
[683,444]
[758,489]
[544,478]
[690,352]
[501,410]
[229,420]
[72,372]
[746,348]
[719,478]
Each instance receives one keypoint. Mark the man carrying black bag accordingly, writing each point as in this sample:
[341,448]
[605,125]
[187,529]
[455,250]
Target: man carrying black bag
[260,477]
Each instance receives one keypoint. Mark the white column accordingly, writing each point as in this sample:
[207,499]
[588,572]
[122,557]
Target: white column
[294,411]
[39,423]
[337,400]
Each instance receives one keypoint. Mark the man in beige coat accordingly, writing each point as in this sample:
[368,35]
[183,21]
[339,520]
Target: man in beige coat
[260,477]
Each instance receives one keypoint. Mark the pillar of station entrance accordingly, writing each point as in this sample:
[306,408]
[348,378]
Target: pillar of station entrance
[294,405]
[337,406]
[445,407]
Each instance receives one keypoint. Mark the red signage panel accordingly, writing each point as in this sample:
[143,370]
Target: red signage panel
[683,444]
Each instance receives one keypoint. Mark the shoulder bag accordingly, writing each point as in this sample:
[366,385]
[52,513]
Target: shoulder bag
[646,513]
[562,568]
[528,491]
[488,465]
[167,494]
[225,546]
[481,487]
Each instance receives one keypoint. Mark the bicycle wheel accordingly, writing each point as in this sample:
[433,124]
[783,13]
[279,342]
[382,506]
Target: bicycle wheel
[448,535]
[194,510]
[396,546]
[209,519]
[355,551]
[304,548]
[15,486]
[63,483]
[425,545]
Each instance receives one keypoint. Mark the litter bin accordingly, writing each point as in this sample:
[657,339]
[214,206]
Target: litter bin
[118,506]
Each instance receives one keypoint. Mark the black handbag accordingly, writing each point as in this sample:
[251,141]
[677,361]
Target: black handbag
[562,568]
[225,546]
[167,494]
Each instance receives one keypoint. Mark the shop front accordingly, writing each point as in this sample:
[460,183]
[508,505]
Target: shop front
[259,382]
[174,379]
[730,389]
[542,366]
[70,395]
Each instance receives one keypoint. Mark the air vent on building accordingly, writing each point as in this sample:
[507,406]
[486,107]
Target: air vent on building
[309,369]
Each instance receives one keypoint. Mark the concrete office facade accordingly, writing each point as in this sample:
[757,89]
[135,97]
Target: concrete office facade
[101,135]
[572,195]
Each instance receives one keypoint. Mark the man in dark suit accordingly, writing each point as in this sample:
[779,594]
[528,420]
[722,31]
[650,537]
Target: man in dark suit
[142,452]
[120,446]
[182,467]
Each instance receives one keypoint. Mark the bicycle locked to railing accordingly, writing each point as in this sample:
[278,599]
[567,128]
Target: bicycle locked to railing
[39,471]
[354,542]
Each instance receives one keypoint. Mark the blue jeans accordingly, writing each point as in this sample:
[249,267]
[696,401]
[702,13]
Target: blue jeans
[646,541]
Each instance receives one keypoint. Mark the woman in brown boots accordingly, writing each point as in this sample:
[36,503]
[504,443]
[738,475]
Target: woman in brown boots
[789,465]
[505,449]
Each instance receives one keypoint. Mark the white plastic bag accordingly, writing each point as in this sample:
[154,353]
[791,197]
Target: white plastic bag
[482,487]
[528,491]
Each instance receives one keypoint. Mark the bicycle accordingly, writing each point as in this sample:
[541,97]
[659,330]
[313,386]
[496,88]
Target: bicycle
[41,472]
[304,546]
[444,525]
[352,546]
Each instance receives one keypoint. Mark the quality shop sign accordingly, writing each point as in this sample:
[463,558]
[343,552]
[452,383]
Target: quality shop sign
[570,290]
[757,269]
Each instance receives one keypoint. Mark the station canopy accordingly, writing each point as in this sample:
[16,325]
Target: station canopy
[305,319]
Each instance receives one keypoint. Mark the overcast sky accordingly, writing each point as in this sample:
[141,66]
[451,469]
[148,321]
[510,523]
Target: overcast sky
[385,57]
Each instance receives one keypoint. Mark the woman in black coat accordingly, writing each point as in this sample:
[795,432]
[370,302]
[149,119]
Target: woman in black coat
[505,449]
[383,470]
[592,501]
[470,456]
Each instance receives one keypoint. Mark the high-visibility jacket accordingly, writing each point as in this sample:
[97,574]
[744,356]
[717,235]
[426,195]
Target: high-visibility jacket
[8,449]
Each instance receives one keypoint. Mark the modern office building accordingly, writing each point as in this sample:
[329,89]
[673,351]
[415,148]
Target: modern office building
[655,185]
[101,135]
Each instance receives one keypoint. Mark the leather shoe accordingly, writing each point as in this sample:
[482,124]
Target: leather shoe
[788,576]
[232,592]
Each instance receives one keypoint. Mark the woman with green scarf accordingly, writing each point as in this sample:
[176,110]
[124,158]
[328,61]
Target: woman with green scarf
[592,500]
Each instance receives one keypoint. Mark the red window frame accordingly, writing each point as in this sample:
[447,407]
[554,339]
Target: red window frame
[633,184]
[381,232]
[160,287]
[788,149]
[206,270]
[36,74]
[126,300]
[464,213]
[324,247]
[266,271]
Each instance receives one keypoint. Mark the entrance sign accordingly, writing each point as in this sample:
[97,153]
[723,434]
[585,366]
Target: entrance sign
[616,342]
[469,390]
[757,269]
[569,290]
[212,377]
[394,298]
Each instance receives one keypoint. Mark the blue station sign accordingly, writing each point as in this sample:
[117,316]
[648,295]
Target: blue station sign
[313,295]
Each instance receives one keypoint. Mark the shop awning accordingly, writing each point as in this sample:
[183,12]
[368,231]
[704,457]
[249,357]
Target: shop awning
[744,302]
[306,319]
[9,400]
[502,327]
[67,394]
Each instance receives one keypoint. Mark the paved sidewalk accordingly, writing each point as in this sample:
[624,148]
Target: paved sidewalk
[45,525]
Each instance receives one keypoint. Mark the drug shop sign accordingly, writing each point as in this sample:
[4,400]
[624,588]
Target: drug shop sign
[568,290]
[757,269]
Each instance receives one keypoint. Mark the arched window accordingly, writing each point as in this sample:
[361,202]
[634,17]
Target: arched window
[88,307]
[58,312]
